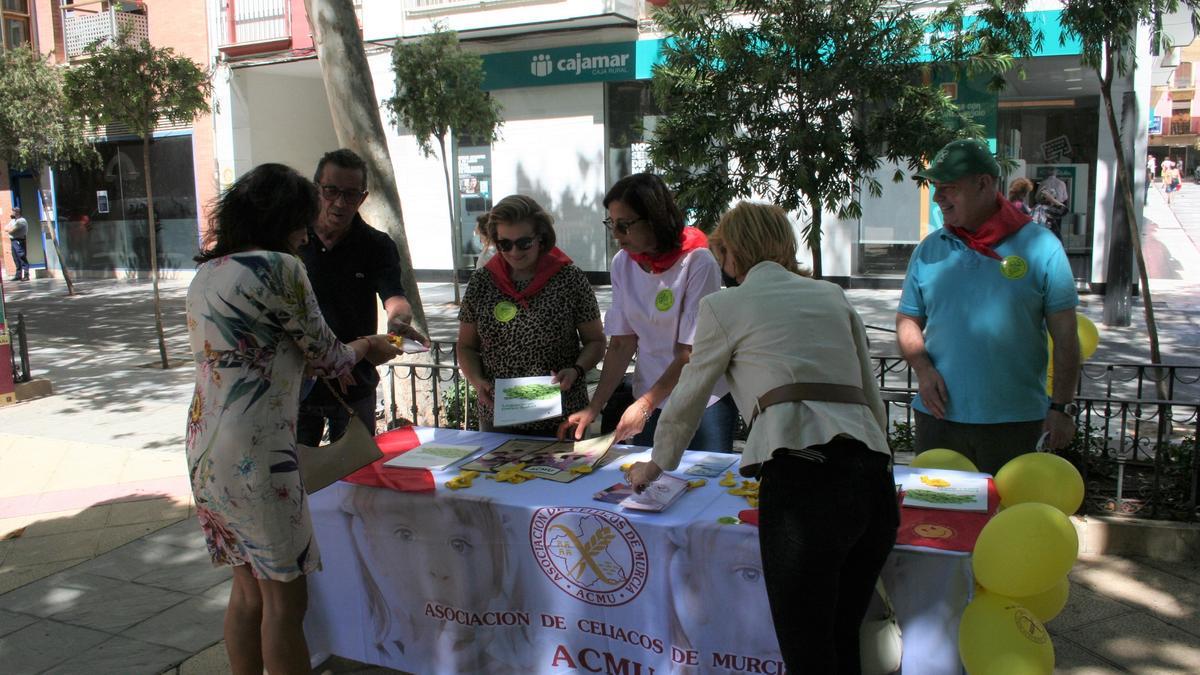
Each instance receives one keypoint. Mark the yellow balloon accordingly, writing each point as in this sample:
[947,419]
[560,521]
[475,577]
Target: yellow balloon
[1047,605]
[1089,337]
[1024,550]
[1000,637]
[943,458]
[1040,477]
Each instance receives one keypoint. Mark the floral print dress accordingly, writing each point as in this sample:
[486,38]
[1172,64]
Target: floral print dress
[253,323]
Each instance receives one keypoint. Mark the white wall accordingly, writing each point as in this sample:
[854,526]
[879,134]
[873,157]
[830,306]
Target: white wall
[387,19]
[289,116]
[552,149]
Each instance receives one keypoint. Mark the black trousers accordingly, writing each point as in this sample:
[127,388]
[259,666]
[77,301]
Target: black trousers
[825,530]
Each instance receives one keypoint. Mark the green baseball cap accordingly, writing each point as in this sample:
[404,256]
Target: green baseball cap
[965,157]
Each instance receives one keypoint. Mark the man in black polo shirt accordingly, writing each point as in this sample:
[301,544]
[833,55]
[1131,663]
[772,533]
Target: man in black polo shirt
[349,262]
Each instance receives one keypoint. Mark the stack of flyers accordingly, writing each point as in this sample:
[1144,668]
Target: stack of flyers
[657,496]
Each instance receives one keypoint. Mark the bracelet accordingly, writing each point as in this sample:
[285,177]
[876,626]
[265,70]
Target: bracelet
[646,412]
[579,370]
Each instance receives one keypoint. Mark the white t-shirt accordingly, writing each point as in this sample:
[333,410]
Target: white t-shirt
[661,310]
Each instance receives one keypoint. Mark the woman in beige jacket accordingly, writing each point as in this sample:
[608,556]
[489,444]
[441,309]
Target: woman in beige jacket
[795,355]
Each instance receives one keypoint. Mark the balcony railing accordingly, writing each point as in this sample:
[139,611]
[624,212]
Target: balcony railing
[86,23]
[255,21]
[248,27]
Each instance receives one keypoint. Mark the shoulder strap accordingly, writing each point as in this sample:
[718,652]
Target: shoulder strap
[338,396]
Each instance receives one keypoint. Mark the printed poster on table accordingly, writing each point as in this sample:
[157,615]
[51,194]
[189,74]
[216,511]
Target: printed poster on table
[520,400]
[949,490]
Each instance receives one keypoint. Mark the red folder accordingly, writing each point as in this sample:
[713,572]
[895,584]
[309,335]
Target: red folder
[392,444]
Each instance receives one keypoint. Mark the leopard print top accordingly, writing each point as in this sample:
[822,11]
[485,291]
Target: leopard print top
[540,340]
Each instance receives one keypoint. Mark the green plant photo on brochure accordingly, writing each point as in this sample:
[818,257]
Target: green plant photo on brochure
[532,392]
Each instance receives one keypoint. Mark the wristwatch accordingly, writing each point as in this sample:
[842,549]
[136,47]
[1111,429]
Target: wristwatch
[1069,409]
[579,370]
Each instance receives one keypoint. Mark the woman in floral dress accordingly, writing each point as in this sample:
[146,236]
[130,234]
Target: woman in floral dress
[254,325]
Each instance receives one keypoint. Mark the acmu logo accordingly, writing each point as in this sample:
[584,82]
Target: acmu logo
[591,554]
[541,65]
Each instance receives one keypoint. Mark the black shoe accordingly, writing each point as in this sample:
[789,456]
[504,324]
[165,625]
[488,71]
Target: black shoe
[15,279]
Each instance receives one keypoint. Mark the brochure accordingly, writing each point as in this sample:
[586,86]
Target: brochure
[519,400]
[434,456]
[509,452]
[657,496]
[949,490]
[710,467]
[614,493]
[558,461]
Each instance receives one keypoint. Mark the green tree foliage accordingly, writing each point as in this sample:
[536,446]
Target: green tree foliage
[801,101]
[37,128]
[1107,30]
[137,85]
[439,90]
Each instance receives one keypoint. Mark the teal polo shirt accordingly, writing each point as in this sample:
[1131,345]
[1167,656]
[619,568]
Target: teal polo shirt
[985,321]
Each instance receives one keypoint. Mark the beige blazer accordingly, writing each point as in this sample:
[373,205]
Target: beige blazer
[776,328]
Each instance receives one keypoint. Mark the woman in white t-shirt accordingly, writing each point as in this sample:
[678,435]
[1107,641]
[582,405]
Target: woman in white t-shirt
[658,278]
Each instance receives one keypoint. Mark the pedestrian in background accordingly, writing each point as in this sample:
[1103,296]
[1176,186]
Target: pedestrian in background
[254,325]
[978,298]
[1018,194]
[18,232]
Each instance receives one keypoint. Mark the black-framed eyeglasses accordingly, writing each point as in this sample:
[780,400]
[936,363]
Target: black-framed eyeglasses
[350,196]
[620,226]
[522,244]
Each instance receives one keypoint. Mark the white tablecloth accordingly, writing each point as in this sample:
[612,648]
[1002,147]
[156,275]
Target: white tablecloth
[541,578]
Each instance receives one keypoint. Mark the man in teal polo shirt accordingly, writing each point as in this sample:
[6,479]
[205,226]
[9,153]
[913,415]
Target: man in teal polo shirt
[978,298]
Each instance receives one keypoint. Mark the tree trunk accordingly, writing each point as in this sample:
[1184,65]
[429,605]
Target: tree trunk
[813,238]
[47,230]
[355,112]
[454,237]
[150,224]
[1125,186]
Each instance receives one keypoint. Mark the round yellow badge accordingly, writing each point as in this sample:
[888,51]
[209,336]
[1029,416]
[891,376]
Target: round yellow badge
[504,311]
[1014,267]
[664,300]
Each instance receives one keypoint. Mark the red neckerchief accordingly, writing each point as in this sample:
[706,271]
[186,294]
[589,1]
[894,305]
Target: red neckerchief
[548,264]
[1006,220]
[693,238]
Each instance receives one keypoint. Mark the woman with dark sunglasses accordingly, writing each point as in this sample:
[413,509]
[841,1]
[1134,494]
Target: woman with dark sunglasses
[529,311]
[658,278]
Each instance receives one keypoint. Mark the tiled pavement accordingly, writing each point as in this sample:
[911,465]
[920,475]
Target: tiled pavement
[102,570]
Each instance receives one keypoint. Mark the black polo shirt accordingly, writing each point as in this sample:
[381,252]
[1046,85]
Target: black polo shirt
[346,279]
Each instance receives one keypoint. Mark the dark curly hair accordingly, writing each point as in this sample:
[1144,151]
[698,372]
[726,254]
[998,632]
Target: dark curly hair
[260,210]
[649,197]
[515,209]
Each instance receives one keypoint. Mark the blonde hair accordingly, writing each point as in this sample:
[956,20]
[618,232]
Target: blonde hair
[754,233]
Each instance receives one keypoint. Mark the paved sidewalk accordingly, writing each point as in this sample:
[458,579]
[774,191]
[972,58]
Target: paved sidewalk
[102,569]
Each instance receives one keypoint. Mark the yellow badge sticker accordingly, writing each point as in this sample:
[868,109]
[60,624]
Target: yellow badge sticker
[504,311]
[1014,267]
[664,300]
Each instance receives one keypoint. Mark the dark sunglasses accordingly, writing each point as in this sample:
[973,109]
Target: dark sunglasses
[522,244]
[332,192]
[620,226]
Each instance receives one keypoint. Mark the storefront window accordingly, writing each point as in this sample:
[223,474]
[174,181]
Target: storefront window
[1057,143]
[629,124]
[102,212]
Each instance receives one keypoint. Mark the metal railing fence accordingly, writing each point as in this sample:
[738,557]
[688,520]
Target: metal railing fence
[1136,452]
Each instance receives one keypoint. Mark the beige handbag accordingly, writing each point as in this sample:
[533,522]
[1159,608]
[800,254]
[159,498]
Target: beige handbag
[879,643]
[326,464]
